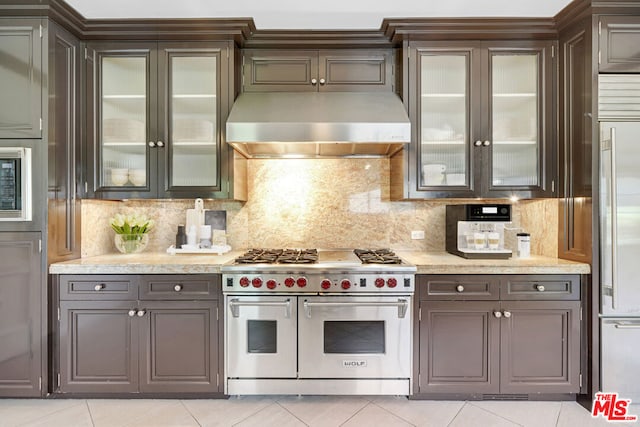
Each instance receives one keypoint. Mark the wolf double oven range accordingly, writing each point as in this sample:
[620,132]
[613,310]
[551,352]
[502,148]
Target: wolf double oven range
[318,322]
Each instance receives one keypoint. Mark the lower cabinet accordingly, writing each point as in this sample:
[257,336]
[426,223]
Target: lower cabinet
[163,342]
[498,345]
[22,339]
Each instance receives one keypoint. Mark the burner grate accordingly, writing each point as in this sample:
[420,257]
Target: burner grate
[377,256]
[279,256]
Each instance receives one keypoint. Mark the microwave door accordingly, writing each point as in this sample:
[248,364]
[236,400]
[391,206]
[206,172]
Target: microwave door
[15,184]
[9,185]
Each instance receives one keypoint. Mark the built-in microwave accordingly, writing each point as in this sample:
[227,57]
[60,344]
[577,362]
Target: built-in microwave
[15,184]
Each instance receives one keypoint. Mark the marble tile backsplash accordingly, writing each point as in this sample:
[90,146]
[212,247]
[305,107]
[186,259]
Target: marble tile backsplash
[327,203]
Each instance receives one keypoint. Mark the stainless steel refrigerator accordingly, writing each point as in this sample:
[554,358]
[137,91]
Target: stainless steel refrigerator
[619,99]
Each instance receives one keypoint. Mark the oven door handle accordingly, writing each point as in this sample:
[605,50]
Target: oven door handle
[235,305]
[402,305]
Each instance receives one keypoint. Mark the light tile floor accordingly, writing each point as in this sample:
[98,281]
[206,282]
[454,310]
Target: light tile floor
[283,411]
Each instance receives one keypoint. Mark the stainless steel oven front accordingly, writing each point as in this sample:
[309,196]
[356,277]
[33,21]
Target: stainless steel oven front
[318,344]
[261,336]
[354,336]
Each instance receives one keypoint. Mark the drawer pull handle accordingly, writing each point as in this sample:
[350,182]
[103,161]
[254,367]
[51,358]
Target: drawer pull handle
[540,288]
[99,287]
[497,314]
[459,288]
[506,314]
[177,288]
[141,313]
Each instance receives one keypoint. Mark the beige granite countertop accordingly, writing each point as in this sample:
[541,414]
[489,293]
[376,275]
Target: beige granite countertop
[427,263]
[446,263]
[144,263]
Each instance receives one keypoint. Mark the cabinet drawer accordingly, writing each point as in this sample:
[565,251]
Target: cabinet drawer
[541,287]
[179,287]
[474,287]
[98,288]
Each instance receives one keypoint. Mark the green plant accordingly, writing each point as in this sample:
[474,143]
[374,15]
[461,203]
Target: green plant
[131,224]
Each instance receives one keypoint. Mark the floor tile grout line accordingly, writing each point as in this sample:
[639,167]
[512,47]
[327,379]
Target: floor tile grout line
[356,413]
[457,413]
[559,413]
[294,415]
[273,402]
[93,423]
[371,402]
[497,415]
[393,413]
[189,412]
[51,413]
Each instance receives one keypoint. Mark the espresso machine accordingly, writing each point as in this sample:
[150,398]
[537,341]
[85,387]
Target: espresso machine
[477,231]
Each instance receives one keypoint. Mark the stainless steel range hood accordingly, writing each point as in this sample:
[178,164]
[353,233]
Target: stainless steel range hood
[318,124]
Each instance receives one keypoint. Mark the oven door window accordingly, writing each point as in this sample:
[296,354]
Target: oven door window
[354,337]
[262,336]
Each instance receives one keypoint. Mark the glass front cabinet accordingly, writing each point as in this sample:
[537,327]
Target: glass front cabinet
[483,120]
[158,110]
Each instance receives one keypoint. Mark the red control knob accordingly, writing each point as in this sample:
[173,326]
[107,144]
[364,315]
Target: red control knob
[244,282]
[271,284]
[325,284]
[392,283]
[379,282]
[302,282]
[345,284]
[289,282]
[256,282]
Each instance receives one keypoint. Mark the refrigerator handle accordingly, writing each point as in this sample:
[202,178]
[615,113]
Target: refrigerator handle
[614,222]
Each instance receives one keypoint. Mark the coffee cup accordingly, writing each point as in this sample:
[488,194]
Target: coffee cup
[480,240]
[494,240]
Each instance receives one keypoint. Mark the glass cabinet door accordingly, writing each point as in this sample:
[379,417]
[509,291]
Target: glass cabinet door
[444,119]
[124,120]
[193,149]
[515,119]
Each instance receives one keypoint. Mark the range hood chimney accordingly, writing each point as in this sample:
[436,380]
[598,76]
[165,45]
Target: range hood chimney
[318,124]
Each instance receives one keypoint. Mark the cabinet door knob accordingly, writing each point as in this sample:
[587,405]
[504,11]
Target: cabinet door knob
[460,288]
[322,81]
[99,287]
[477,143]
[177,288]
[160,144]
[497,314]
[151,144]
[314,81]
[506,314]
[141,313]
[132,313]
[540,288]
[486,143]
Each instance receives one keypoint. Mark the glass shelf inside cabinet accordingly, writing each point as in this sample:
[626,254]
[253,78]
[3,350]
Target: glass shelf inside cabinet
[123,97]
[193,96]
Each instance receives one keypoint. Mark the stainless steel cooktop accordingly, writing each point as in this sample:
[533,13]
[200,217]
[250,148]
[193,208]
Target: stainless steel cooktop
[322,271]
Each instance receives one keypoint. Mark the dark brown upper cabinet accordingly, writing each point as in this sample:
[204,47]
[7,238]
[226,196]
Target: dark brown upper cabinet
[64,118]
[156,119]
[365,70]
[21,78]
[575,237]
[619,50]
[482,120]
